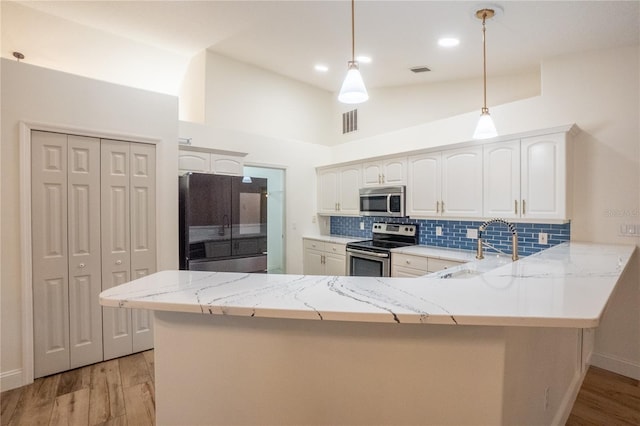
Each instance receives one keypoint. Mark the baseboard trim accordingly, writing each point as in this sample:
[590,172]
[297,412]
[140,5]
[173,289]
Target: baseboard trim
[10,379]
[616,365]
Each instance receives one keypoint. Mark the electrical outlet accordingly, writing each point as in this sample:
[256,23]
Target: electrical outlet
[543,238]
[472,233]
[362,226]
[438,231]
[546,398]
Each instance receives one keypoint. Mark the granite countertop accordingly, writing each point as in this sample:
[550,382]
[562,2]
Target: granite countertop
[438,253]
[568,285]
[335,239]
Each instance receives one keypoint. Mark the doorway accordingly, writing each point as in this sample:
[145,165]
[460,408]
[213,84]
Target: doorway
[275,215]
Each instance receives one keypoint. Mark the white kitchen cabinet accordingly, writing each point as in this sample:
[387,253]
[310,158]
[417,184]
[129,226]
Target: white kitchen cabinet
[462,182]
[200,160]
[408,265]
[389,172]
[424,185]
[545,177]
[528,178]
[324,258]
[87,234]
[338,190]
[501,194]
[445,184]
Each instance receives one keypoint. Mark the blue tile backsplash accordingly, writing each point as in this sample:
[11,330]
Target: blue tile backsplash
[454,233]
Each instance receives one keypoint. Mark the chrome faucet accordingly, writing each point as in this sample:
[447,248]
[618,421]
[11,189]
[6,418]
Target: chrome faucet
[514,238]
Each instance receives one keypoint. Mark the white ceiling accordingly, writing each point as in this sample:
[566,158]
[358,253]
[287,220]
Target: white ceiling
[149,43]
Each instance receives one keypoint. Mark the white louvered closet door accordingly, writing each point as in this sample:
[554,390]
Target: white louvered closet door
[143,234]
[116,244]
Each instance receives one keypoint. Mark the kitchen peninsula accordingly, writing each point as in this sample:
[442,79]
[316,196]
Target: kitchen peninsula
[508,346]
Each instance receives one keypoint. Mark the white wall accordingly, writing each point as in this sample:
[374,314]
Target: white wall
[39,95]
[240,96]
[600,92]
[396,108]
[297,158]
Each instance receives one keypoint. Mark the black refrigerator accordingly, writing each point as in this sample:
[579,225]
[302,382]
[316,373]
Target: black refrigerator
[223,223]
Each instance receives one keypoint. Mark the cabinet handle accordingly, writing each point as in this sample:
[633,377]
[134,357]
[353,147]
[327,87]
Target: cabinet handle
[442,204]
[118,262]
[322,259]
[382,178]
[408,262]
[437,206]
[523,212]
[515,208]
[82,265]
[338,206]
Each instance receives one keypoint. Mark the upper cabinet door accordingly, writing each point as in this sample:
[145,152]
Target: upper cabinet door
[502,180]
[226,165]
[543,177]
[372,174]
[394,171]
[385,172]
[193,161]
[328,191]
[424,184]
[349,190]
[462,182]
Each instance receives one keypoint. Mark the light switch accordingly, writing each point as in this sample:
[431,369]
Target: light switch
[472,233]
[543,238]
[362,226]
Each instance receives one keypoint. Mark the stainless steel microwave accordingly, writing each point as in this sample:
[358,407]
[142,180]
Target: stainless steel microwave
[382,201]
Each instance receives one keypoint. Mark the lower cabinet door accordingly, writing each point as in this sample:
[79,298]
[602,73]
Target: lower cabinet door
[335,264]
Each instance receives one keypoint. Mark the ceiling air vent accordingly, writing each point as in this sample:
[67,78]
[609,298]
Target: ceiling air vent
[350,121]
[419,69]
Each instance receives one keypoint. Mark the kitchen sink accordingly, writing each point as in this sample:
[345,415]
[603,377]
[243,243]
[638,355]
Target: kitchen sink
[472,269]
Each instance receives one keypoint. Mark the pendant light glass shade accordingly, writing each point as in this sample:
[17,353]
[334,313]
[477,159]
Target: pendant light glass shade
[485,128]
[353,90]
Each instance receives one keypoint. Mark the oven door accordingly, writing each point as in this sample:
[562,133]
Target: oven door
[362,263]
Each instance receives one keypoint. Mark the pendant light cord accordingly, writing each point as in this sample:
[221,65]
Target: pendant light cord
[353,31]
[484,58]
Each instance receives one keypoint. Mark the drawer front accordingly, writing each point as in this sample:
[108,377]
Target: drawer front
[404,272]
[335,248]
[436,265]
[314,245]
[408,261]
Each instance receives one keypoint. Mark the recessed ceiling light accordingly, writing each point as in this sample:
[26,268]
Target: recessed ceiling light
[448,42]
[363,59]
[321,68]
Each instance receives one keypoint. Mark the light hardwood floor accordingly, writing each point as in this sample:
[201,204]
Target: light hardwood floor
[115,392]
[121,392]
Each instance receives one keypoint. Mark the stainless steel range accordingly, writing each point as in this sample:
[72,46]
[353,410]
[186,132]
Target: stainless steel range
[372,258]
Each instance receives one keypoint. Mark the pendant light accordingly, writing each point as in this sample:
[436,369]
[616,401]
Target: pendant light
[485,128]
[353,90]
